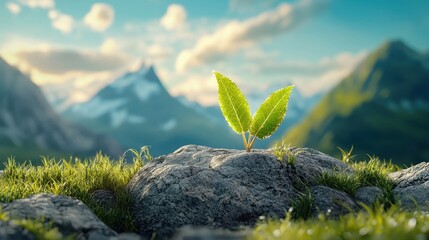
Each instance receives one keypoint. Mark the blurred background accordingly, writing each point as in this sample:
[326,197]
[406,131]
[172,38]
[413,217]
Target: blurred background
[81,76]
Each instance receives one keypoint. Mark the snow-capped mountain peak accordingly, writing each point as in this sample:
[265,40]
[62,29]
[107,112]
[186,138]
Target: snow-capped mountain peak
[120,102]
[144,83]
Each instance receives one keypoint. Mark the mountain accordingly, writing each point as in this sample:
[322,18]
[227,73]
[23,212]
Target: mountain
[30,127]
[137,110]
[381,108]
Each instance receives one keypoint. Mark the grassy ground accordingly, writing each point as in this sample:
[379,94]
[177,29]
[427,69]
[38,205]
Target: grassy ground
[371,224]
[372,172]
[79,178]
[76,178]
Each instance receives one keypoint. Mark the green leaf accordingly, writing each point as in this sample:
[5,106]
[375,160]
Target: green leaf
[271,113]
[233,104]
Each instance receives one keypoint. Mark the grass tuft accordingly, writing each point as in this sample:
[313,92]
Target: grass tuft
[346,156]
[370,224]
[301,207]
[373,172]
[77,178]
[282,150]
[342,181]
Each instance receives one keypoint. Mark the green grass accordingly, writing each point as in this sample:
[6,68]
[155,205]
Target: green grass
[340,181]
[76,178]
[79,178]
[27,154]
[301,207]
[369,224]
[282,150]
[368,173]
[39,229]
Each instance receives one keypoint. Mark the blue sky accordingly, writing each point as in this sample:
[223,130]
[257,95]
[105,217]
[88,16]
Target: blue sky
[73,48]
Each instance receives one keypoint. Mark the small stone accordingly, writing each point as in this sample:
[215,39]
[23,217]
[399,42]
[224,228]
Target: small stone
[105,198]
[369,195]
[69,215]
[331,202]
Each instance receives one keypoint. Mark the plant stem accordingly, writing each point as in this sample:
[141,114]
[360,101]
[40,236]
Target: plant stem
[248,140]
[252,142]
[244,140]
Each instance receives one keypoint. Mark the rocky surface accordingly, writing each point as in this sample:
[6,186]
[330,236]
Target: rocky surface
[204,233]
[10,231]
[105,198]
[412,187]
[220,188]
[198,192]
[331,202]
[69,215]
[369,195]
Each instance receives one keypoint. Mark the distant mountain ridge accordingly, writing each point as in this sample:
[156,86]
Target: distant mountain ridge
[136,109]
[381,108]
[28,122]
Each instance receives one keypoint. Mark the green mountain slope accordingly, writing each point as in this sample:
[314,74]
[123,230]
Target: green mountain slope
[381,108]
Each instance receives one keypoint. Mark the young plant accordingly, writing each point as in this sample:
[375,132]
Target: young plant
[346,156]
[282,150]
[236,111]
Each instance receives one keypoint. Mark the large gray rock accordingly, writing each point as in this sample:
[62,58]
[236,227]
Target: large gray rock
[369,195]
[219,188]
[412,187]
[69,215]
[331,202]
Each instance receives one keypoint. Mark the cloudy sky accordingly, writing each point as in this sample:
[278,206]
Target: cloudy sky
[73,48]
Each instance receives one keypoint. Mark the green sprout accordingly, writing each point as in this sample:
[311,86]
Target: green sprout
[346,156]
[282,150]
[236,111]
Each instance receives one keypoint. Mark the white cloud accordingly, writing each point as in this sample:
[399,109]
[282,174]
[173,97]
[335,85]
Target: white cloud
[138,47]
[60,61]
[60,21]
[174,18]
[270,65]
[159,51]
[236,35]
[110,45]
[13,7]
[38,3]
[71,74]
[310,77]
[100,17]
[198,87]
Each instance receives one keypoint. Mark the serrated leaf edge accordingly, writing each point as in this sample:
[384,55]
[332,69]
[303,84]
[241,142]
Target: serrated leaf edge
[230,100]
[272,109]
